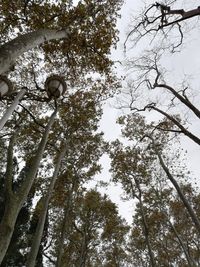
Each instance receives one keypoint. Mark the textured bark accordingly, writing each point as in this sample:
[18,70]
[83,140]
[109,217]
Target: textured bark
[40,226]
[12,107]
[7,225]
[11,50]
[16,199]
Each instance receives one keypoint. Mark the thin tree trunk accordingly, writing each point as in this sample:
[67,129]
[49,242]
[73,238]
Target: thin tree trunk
[145,226]
[146,234]
[40,226]
[11,50]
[12,107]
[17,199]
[65,228]
[178,189]
[190,261]
[83,254]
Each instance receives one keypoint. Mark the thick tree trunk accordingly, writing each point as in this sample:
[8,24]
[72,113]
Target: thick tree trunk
[40,226]
[7,225]
[10,51]
[12,107]
[17,199]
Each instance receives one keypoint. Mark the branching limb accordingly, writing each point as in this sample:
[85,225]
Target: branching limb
[32,116]
[157,17]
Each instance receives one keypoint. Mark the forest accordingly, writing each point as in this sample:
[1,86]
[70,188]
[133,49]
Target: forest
[57,74]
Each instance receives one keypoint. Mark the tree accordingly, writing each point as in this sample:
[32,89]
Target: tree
[151,77]
[157,235]
[79,56]
[129,166]
[15,200]
[60,20]
[96,231]
[135,129]
[163,18]
[169,225]
[81,28]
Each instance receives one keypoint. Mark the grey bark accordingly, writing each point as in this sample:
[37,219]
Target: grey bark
[12,107]
[11,50]
[15,200]
[40,226]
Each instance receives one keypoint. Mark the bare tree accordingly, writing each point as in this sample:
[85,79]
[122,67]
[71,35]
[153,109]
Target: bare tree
[159,17]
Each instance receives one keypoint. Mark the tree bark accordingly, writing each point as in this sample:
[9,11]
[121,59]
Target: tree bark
[12,107]
[11,50]
[7,225]
[40,226]
[17,199]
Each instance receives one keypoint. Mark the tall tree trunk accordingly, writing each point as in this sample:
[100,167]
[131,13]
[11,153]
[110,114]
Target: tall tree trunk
[65,227]
[178,189]
[84,250]
[145,226]
[16,199]
[7,225]
[11,50]
[12,107]
[190,261]
[40,226]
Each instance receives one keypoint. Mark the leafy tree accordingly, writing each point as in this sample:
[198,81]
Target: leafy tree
[171,235]
[87,31]
[96,231]
[136,129]
[81,27]
[129,166]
